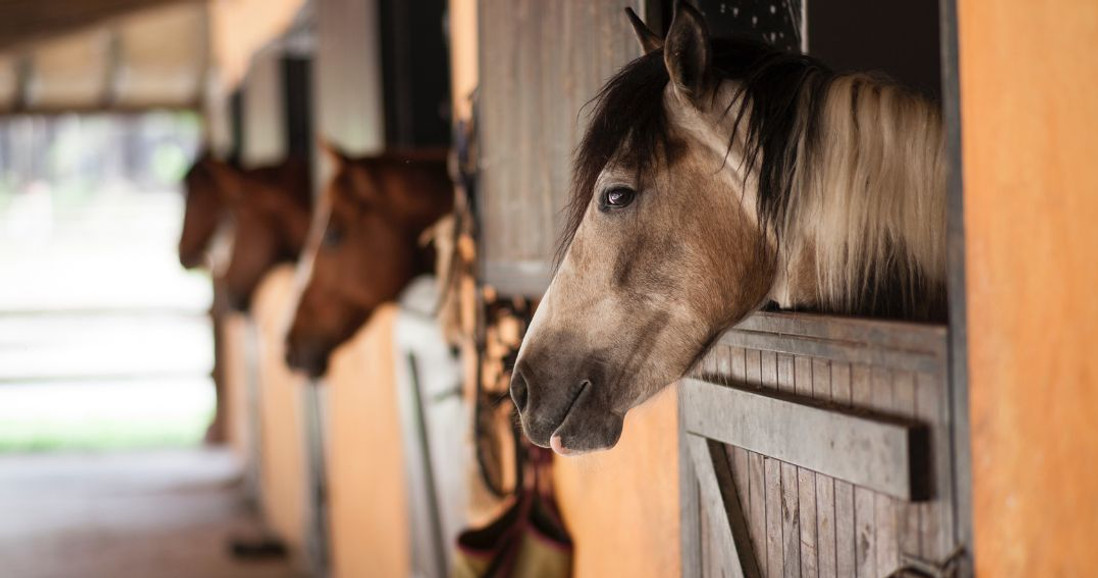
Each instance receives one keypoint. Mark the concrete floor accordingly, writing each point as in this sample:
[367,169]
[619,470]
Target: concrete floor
[165,514]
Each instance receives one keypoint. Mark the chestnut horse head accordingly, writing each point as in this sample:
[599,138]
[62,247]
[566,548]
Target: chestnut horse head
[204,210]
[717,175]
[367,248]
[271,208]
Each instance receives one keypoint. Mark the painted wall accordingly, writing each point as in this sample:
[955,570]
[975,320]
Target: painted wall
[1030,132]
[283,464]
[622,506]
[367,495]
[234,356]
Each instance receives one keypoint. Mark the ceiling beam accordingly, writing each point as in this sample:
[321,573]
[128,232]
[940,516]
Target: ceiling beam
[27,21]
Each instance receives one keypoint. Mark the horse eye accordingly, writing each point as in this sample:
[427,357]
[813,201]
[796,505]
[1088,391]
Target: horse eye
[333,235]
[618,197]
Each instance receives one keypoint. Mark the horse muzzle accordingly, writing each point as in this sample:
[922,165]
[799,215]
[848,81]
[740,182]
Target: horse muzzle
[569,412]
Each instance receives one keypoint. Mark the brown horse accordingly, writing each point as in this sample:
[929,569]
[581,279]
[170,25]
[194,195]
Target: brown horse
[271,208]
[716,176]
[204,210]
[368,247]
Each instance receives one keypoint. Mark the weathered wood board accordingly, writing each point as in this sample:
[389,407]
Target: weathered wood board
[804,410]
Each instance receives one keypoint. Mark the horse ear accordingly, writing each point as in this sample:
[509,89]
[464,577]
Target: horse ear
[649,41]
[688,54]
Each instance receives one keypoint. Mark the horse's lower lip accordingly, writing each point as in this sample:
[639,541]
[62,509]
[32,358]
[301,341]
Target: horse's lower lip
[557,446]
[555,439]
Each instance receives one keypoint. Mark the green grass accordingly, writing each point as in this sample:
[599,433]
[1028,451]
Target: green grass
[91,416]
[44,434]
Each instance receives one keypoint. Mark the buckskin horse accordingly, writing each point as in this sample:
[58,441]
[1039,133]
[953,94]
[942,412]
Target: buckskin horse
[715,176]
[367,248]
[271,208]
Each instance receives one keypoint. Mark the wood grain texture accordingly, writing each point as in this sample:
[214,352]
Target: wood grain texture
[540,62]
[870,452]
[802,521]
[1028,133]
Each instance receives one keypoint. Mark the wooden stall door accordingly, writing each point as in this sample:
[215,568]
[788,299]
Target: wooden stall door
[818,446]
[540,63]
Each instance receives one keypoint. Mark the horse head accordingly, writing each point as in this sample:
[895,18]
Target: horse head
[203,212]
[716,175]
[271,208]
[366,247]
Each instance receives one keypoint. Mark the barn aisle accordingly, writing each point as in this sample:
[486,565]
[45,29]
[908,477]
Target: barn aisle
[165,513]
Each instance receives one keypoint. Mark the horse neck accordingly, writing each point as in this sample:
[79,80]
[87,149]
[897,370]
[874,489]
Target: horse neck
[867,206]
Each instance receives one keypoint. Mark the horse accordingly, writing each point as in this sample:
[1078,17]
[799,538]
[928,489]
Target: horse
[718,175]
[367,246]
[271,208]
[204,210]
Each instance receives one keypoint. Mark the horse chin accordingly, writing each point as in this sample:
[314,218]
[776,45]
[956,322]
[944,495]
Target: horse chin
[310,359]
[585,432]
[587,427]
[239,301]
[191,260]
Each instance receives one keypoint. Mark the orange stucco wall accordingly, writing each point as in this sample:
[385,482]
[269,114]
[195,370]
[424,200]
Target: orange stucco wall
[283,464]
[622,506]
[367,495]
[233,356]
[1030,139]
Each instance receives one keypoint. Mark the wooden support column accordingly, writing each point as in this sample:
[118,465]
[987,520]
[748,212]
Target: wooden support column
[1028,118]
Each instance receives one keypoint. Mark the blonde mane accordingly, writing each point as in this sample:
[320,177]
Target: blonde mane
[867,209]
[848,171]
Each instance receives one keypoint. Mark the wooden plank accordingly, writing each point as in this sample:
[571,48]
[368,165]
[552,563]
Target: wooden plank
[844,491]
[724,361]
[722,505]
[741,472]
[833,350]
[791,533]
[753,369]
[518,277]
[936,518]
[756,514]
[905,336]
[769,368]
[907,514]
[867,451]
[865,538]
[825,485]
[806,480]
[775,561]
[790,491]
[690,531]
[540,63]
[885,505]
[738,369]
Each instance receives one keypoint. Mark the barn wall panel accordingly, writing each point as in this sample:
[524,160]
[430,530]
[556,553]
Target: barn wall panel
[366,474]
[805,523]
[540,63]
[1028,115]
[283,470]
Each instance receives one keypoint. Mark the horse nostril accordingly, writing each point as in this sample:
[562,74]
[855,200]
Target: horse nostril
[519,393]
